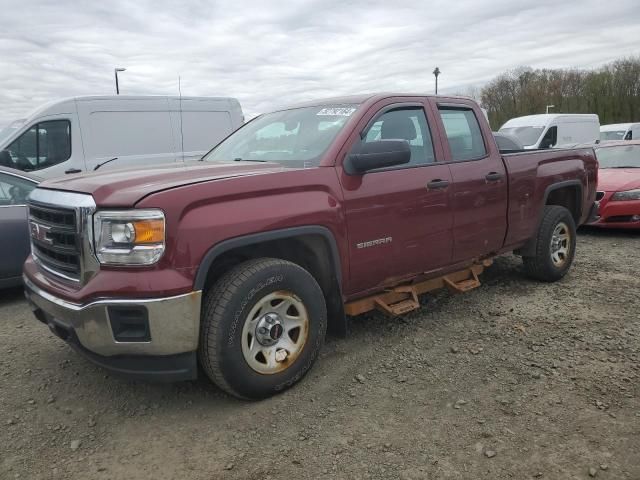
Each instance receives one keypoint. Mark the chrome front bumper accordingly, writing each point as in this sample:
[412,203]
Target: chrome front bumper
[174,322]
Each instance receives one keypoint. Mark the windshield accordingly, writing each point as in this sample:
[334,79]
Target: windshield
[294,138]
[526,135]
[9,129]
[613,135]
[623,156]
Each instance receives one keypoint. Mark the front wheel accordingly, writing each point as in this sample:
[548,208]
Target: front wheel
[555,245]
[263,324]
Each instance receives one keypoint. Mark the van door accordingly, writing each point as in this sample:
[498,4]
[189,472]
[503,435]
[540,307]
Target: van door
[50,145]
[550,138]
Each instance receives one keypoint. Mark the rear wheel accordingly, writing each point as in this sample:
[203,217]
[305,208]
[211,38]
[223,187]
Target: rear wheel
[263,324]
[555,245]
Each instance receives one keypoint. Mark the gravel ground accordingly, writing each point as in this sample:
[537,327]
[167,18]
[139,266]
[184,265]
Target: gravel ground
[516,379]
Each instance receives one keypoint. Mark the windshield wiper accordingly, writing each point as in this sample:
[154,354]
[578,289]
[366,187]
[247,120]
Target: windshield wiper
[625,166]
[248,160]
[103,163]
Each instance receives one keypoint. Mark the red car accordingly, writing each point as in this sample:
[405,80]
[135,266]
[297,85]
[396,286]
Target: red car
[619,184]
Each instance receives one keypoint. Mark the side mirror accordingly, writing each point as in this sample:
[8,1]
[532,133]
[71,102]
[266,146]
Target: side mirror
[378,154]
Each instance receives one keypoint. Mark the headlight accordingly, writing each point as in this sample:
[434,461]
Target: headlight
[628,195]
[132,237]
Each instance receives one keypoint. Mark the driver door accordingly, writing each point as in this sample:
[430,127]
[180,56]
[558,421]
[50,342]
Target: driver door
[399,219]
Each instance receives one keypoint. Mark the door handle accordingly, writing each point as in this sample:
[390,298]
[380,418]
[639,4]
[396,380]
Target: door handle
[437,184]
[73,170]
[493,177]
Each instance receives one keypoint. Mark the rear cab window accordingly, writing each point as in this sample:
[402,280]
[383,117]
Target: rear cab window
[463,133]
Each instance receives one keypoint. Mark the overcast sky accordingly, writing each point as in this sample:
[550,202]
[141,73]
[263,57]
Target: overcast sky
[273,53]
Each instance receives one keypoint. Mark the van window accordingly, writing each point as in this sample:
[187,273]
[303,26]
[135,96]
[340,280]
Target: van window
[550,138]
[43,145]
[130,133]
[204,130]
[463,133]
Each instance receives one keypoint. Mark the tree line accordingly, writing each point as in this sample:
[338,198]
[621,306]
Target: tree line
[612,91]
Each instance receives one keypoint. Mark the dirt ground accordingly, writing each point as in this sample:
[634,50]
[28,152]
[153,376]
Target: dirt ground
[514,380]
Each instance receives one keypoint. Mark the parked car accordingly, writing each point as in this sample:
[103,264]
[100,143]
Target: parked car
[84,133]
[620,131]
[554,130]
[619,184]
[15,187]
[303,215]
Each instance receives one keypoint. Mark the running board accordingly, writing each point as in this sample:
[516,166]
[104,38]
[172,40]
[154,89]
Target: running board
[401,307]
[404,298]
[462,286]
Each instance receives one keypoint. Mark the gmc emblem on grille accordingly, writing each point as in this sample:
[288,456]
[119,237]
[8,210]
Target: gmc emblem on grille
[40,232]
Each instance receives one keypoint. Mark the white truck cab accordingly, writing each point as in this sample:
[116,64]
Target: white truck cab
[553,129]
[80,134]
[620,131]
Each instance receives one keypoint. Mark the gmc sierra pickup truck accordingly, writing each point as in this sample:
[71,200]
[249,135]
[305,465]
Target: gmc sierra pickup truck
[241,262]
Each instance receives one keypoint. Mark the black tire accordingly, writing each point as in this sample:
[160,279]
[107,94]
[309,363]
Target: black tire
[225,309]
[541,266]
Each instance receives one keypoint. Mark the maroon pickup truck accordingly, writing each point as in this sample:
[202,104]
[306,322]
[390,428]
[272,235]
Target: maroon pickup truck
[241,262]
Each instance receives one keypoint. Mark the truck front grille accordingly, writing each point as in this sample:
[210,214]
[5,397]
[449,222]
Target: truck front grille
[55,239]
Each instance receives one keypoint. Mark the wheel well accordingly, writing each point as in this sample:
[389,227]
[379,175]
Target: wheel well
[568,197]
[311,252]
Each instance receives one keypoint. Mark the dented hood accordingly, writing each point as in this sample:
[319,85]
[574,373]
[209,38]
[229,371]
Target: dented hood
[125,187]
[618,179]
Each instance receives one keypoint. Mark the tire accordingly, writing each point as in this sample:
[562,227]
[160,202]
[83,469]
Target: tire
[556,234]
[240,351]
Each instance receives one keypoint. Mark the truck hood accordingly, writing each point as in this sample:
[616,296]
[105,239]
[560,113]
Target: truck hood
[618,179]
[125,187]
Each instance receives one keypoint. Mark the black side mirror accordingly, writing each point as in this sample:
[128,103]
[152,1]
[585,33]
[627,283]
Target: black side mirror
[379,154]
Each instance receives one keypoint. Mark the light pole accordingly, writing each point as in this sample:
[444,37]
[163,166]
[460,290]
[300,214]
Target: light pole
[436,72]
[116,70]
[550,106]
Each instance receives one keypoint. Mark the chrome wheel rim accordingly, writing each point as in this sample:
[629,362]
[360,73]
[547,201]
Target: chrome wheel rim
[275,332]
[560,244]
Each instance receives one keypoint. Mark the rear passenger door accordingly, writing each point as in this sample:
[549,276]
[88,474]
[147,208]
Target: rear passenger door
[479,197]
[398,218]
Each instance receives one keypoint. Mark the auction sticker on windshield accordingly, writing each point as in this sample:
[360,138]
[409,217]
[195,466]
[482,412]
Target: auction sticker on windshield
[337,111]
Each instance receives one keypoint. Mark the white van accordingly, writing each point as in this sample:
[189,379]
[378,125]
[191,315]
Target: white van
[82,133]
[620,131]
[553,129]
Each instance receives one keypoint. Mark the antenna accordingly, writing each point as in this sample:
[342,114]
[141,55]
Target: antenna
[181,132]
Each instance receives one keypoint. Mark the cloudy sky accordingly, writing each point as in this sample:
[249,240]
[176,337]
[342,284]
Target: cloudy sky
[273,53]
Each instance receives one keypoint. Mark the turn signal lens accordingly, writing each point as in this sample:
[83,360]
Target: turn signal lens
[149,231]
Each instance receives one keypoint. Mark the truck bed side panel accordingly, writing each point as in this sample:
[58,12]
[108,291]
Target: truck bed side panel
[533,174]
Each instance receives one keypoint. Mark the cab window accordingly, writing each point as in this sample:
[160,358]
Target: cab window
[408,124]
[43,145]
[463,133]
